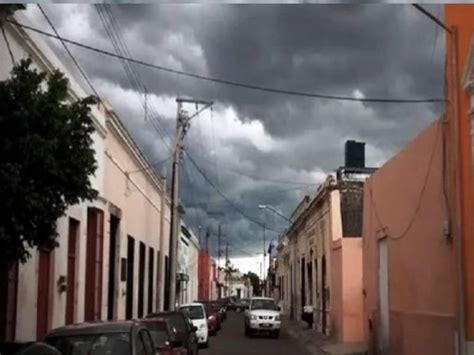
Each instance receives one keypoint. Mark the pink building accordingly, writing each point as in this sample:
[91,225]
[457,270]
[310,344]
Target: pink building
[409,257]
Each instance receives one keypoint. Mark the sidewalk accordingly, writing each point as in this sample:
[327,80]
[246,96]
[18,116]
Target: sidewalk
[319,344]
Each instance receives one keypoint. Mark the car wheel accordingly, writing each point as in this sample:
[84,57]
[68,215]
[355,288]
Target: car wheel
[276,334]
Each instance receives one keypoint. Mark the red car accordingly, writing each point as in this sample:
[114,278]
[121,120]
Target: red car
[213,317]
[164,337]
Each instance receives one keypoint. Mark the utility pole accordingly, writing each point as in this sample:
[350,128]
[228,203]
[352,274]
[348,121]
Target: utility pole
[264,256]
[182,126]
[226,266]
[219,259]
[207,241]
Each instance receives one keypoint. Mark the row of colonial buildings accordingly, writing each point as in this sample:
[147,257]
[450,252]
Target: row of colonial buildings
[112,261]
[386,256]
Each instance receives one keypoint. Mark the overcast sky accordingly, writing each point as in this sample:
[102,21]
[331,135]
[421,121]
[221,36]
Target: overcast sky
[263,148]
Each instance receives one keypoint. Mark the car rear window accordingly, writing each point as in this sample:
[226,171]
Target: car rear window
[92,344]
[177,321]
[159,334]
[193,312]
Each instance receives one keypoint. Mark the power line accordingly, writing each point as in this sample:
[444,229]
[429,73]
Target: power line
[229,201]
[257,177]
[152,165]
[229,82]
[76,63]
[420,197]
[8,45]
[432,17]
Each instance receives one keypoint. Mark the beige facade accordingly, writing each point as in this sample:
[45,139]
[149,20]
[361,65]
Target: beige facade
[85,278]
[137,199]
[319,261]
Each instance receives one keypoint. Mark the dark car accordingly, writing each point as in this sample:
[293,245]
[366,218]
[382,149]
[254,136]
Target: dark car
[242,304]
[102,338]
[185,330]
[164,337]
[8,348]
[37,348]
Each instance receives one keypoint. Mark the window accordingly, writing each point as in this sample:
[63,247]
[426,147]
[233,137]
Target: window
[193,312]
[148,344]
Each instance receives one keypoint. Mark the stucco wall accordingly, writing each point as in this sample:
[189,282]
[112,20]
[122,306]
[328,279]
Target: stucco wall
[23,45]
[421,269]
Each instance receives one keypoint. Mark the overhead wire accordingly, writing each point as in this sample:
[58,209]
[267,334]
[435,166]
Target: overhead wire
[228,200]
[7,42]
[74,60]
[414,214]
[226,81]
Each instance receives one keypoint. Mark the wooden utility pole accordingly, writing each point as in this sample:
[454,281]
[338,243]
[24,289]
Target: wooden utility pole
[182,126]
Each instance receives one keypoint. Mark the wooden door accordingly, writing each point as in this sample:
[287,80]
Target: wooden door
[130,277]
[43,311]
[73,238]
[94,261]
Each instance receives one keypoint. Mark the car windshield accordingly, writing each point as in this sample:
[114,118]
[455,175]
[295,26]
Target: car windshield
[263,304]
[193,312]
[159,333]
[92,344]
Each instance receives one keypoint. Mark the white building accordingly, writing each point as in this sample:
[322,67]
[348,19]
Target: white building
[188,251]
[239,286]
[37,299]
[112,260]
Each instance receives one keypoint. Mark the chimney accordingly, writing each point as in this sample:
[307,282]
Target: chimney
[354,154]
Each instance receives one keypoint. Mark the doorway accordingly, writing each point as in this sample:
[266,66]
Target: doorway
[303,283]
[94,262]
[8,301]
[141,279]
[384,321]
[130,277]
[73,239]
[43,311]
[113,260]
[167,283]
[323,295]
[151,263]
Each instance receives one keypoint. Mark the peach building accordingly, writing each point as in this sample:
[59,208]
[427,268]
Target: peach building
[319,261]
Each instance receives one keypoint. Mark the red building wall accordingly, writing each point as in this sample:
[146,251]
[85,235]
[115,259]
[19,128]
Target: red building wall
[203,275]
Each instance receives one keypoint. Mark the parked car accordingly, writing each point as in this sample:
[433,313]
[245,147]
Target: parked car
[117,338]
[263,315]
[185,328]
[164,336]
[197,314]
[242,304]
[37,348]
[213,317]
[8,348]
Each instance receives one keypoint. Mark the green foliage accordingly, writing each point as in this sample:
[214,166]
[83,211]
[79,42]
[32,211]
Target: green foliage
[46,158]
[254,281]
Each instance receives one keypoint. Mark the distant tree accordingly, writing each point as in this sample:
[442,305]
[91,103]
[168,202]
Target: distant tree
[46,158]
[254,281]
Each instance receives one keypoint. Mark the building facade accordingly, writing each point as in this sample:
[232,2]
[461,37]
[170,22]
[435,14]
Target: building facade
[188,252]
[62,285]
[319,260]
[111,262]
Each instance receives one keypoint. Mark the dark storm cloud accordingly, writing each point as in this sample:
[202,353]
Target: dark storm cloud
[369,50]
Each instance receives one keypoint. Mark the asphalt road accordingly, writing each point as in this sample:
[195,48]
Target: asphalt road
[230,340]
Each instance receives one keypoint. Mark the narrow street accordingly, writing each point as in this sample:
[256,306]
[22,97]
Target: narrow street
[231,340]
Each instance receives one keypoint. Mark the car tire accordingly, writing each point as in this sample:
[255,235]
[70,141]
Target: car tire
[246,332]
[276,334]
[206,344]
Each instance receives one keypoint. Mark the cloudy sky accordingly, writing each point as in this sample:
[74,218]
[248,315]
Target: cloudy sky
[257,147]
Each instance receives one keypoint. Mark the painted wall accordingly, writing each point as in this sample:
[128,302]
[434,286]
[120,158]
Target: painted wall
[23,45]
[130,188]
[460,19]
[421,264]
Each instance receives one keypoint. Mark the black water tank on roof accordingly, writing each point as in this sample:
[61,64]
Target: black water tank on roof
[355,154]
